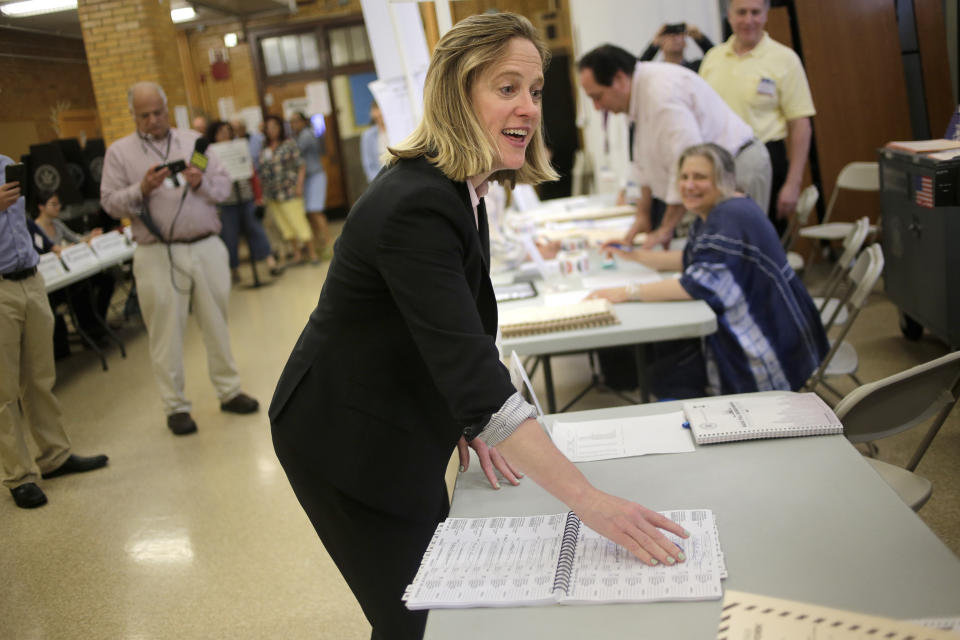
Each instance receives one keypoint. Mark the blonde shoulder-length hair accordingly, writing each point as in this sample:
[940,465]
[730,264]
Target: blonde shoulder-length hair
[450,134]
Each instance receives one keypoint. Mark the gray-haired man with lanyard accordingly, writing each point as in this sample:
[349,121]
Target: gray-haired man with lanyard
[187,263]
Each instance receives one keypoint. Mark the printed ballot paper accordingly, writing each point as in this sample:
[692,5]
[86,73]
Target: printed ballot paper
[622,437]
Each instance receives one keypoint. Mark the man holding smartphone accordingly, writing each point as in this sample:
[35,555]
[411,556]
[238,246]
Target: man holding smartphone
[180,259]
[671,39]
[27,372]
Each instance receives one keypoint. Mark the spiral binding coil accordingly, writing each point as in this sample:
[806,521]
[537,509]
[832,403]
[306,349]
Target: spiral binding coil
[568,549]
[563,324]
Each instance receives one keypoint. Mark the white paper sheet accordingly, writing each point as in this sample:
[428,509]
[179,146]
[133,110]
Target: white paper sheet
[622,437]
[318,98]
[234,155]
[78,256]
[947,624]
[565,297]
[226,108]
[516,369]
[950,154]
[252,117]
[620,279]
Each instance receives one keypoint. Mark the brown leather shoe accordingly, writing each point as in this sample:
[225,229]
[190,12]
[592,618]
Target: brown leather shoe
[28,496]
[240,403]
[181,423]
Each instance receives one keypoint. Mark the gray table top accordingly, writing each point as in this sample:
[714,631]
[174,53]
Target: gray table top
[800,518]
[640,322]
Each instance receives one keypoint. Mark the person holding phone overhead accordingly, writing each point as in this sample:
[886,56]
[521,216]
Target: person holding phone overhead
[408,315]
[186,265]
[27,403]
[671,39]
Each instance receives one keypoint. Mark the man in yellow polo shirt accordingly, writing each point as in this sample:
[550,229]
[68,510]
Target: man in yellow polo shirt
[764,83]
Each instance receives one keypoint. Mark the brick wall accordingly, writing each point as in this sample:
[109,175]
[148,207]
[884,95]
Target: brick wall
[36,73]
[129,41]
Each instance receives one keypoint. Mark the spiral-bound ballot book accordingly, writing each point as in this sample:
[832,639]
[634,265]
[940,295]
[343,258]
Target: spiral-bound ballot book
[530,320]
[555,559]
[748,418]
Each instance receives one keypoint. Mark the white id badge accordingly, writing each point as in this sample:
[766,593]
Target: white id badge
[767,87]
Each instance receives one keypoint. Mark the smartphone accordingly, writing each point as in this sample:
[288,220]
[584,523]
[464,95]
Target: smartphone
[16,172]
[677,27]
[175,167]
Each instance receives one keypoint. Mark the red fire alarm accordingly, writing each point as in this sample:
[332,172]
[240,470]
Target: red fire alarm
[219,64]
[220,70]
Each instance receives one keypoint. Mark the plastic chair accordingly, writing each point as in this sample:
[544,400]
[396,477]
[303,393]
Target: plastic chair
[830,307]
[856,176]
[805,204]
[890,406]
[842,357]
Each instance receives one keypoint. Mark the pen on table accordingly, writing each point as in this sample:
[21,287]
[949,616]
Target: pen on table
[620,245]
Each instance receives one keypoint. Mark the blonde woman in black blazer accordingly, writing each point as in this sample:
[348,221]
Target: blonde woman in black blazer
[397,365]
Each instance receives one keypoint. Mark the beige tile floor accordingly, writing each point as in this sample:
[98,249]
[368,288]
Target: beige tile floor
[201,536]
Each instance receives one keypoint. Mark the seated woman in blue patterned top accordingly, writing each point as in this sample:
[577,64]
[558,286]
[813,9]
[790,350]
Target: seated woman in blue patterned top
[769,334]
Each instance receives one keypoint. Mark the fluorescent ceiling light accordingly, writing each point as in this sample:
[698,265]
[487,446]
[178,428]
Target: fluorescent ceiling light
[230,39]
[182,14]
[36,7]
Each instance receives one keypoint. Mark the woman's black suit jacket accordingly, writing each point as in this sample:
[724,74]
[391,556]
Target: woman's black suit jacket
[398,360]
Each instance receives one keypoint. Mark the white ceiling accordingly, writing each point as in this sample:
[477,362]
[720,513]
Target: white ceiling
[66,23]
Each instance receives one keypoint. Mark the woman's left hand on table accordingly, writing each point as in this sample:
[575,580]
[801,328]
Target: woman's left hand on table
[614,295]
[491,461]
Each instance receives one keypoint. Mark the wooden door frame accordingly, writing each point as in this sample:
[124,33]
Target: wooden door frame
[326,72]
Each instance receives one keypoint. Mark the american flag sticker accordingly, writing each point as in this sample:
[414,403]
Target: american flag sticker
[923,191]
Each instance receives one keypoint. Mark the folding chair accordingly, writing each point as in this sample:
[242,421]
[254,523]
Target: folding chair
[842,357]
[902,401]
[856,176]
[828,303]
[805,204]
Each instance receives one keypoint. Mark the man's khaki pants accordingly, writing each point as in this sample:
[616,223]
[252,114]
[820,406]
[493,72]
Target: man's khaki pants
[201,274]
[754,173]
[27,374]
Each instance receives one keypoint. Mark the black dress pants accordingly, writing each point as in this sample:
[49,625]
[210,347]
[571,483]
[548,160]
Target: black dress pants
[377,553]
[779,164]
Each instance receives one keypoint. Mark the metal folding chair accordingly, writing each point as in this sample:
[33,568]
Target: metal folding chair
[842,357]
[894,404]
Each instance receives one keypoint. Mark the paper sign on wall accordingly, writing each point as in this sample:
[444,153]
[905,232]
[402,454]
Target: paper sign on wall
[293,105]
[318,99]
[181,116]
[253,117]
[226,108]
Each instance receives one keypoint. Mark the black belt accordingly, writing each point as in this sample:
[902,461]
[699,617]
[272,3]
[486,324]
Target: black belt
[744,146]
[192,240]
[23,274]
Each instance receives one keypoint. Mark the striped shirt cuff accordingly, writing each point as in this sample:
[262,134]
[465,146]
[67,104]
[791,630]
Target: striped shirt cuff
[505,421]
